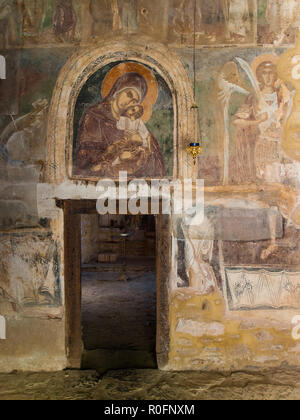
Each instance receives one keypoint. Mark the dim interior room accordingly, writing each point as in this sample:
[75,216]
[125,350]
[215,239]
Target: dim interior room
[118,281]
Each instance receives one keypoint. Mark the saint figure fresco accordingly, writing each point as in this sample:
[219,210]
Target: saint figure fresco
[32,14]
[199,243]
[185,11]
[64,20]
[215,22]
[112,133]
[237,17]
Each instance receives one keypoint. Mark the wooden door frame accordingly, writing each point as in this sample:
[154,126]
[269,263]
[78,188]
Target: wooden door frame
[73,209]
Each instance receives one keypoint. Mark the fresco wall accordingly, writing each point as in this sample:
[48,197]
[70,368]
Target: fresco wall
[235,287]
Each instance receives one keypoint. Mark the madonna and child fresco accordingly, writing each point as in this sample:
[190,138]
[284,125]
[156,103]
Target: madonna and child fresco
[124,122]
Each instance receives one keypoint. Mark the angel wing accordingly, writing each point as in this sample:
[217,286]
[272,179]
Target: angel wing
[227,89]
[248,70]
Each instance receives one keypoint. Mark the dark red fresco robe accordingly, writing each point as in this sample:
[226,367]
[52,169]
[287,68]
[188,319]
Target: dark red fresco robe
[97,132]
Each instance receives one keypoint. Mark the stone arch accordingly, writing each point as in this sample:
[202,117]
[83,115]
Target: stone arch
[85,63]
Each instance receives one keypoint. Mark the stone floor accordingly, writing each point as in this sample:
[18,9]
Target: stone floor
[118,320]
[118,314]
[281,384]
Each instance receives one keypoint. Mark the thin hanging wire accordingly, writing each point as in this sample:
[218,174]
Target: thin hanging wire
[194,51]
[195,107]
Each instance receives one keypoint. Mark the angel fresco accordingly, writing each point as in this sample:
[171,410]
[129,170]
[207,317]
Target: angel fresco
[112,134]
[257,123]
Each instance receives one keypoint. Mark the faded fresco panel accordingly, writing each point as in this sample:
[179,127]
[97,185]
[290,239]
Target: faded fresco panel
[278,21]
[44,21]
[71,21]
[153,18]
[32,14]
[242,109]
[102,14]
[113,15]
[30,272]
[9,19]
[22,156]
[256,288]
[243,259]
[215,22]
[230,229]
[124,122]
[23,130]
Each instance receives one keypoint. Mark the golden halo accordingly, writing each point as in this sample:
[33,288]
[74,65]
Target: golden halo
[262,59]
[132,67]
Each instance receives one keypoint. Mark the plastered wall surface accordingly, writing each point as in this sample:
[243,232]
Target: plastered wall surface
[234,278]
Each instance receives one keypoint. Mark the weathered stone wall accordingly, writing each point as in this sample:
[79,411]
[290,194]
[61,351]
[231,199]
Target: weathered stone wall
[234,280]
[31,302]
[90,238]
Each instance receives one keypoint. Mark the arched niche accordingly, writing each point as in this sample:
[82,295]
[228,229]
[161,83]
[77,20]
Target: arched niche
[81,66]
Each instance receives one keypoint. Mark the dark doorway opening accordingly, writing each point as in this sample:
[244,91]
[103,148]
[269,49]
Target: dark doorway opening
[118,291]
[75,269]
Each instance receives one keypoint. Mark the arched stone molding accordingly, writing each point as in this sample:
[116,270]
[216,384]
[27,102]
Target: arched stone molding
[85,63]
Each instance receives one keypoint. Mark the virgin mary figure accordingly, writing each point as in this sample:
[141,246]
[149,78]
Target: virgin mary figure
[103,148]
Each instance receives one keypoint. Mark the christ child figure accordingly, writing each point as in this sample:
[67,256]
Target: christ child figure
[134,128]
[130,151]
